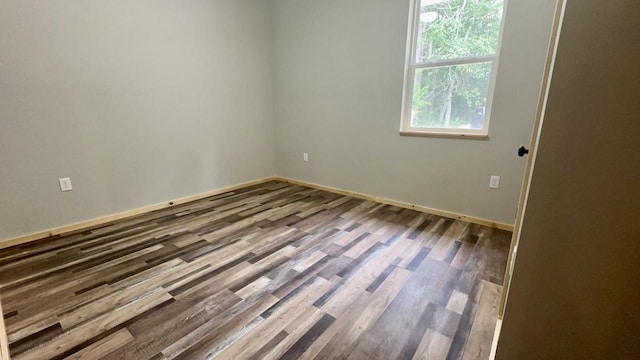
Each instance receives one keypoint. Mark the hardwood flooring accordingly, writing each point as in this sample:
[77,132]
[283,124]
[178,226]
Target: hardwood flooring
[272,271]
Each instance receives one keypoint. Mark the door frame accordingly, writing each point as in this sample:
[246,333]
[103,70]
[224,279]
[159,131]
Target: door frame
[4,342]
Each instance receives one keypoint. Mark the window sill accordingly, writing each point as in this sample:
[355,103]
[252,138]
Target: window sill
[444,134]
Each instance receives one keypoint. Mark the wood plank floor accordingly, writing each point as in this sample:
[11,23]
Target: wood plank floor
[272,271]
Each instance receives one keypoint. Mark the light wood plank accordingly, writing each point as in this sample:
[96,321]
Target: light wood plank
[481,336]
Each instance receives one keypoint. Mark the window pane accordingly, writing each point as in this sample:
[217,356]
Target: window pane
[450,29]
[451,96]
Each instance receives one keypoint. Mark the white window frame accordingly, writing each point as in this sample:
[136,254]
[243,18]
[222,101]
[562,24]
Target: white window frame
[409,75]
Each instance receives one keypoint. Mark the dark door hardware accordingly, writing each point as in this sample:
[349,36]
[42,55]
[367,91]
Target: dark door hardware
[522,151]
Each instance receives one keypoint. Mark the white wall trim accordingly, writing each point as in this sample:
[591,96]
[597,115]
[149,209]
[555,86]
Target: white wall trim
[494,342]
[4,342]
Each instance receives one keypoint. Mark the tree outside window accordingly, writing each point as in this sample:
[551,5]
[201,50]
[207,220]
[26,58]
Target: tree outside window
[453,58]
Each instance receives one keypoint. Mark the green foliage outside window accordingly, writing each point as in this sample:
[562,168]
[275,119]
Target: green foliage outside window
[455,95]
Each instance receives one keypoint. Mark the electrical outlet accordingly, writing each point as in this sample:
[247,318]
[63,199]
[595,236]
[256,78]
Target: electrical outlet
[65,184]
[494,182]
[305,157]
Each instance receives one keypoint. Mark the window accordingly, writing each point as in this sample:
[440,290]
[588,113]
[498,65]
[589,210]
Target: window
[452,58]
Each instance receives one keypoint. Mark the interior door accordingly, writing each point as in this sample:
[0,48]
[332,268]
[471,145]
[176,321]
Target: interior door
[574,288]
[530,151]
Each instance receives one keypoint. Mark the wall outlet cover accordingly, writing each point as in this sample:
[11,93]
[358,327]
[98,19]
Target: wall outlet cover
[494,182]
[65,184]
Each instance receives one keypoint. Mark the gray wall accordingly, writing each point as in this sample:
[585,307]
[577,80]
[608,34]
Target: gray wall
[137,101]
[141,102]
[576,284]
[338,87]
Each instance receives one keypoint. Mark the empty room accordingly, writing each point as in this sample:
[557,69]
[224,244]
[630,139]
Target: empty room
[339,179]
